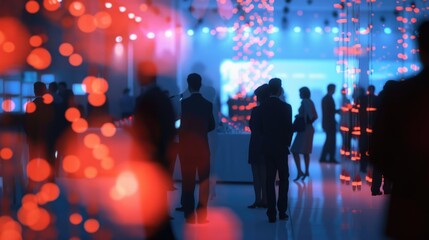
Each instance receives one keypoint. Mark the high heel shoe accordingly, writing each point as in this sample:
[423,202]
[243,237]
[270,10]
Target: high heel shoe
[305,176]
[299,176]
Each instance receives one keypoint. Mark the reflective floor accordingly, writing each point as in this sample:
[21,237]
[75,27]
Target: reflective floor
[319,208]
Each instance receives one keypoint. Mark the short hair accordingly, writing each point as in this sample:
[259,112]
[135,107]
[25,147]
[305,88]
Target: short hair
[275,85]
[194,81]
[305,92]
[331,86]
[371,88]
[39,88]
[53,86]
[262,93]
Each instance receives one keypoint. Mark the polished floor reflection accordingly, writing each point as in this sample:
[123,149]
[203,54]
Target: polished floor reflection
[319,208]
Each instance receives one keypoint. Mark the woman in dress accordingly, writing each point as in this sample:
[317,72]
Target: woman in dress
[303,142]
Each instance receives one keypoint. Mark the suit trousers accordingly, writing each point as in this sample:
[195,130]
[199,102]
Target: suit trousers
[274,165]
[329,146]
[190,167]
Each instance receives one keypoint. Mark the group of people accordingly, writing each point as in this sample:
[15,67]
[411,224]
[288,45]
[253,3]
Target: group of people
[45,123]
[392,132]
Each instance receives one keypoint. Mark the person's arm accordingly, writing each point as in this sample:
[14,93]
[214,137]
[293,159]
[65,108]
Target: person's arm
[211,124]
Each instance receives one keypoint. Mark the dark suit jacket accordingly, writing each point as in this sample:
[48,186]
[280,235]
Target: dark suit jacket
[328,113]
[154,124]
[276,127]
[196,121]
[38,123]
[400,149]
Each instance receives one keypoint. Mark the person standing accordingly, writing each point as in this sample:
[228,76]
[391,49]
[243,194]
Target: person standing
[194,152]
[154,132]
[276,130]
[303,142]
[38,123]
[329,125]
[400,147]
[256,158]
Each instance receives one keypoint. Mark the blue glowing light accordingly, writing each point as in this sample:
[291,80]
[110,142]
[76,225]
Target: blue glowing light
[297,29]
[190,32]
[387,30]
[206,30]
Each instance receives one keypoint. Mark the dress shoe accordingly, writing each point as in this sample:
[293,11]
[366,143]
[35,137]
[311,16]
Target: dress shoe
[375,193]
[252,206]
[322,161]
[272,219]
[262,205]
[300,175]
[283,216]
[305,176]
[180,209]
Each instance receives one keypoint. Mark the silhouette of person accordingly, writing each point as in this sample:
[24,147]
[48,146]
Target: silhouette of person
[367,106]
[377,174]
[276,126]
[329,125]
[400,148]
[303,142]
[154,132]
[39,118]
[66,135]
[194,152]
[345,124]
[126,103]
[55,129]
[256,159]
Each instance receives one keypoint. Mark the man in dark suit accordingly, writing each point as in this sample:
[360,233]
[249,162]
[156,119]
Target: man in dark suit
[276,131]
[154,132]
[39,119]
[400,148]
[194,152]
[329,125]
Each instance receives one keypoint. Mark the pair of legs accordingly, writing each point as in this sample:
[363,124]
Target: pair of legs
[191,167]
[329,146]
[259,173]
[298,165]
[274,165]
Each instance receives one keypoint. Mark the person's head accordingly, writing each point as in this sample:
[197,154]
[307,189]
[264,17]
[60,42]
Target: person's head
[39,89]
[304,93]
[126,91]
[275,86]
[371,89]
[262,93]
[331,88]
[53,87]
[194,82]
[423,42]
[146,72]
[62,86]
[344,91]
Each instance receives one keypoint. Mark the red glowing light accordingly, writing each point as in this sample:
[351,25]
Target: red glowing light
[108,129]
[87,23]
[39,58]
[91,225]
[77,8]
[51,5]
[66,49]
[71,164]
[75,218]
[36,41]
[103,20]
[6,153]
[75,59]
[8,105]
[38,169]
[32,7]
[72,114]
[80,125]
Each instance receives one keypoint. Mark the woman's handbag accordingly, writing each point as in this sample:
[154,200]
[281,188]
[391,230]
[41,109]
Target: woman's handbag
[298,124]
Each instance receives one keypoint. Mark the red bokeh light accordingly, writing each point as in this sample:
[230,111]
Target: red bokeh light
[38,169]
[72,114]
[8,105]
[39,58]
[32,7]
[75,59]
[77,8]
[36,41]
[87,23]
[6,153]
[66,49]
[71,164]
[51,5]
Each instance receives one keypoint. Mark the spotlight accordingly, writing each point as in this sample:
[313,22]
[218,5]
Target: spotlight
[335,30]
[150,35]
[168,33]
[387,30]
[133,37]
[206,30]
[318,29]
[297,29]
[190,32]
[118,39]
